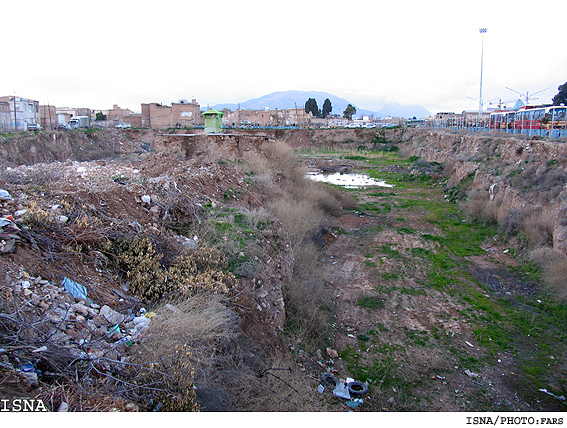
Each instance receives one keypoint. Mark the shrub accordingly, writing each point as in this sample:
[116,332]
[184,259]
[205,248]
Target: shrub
[193,271]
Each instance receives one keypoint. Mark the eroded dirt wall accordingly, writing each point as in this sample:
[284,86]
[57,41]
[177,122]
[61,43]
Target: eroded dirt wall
[520,175]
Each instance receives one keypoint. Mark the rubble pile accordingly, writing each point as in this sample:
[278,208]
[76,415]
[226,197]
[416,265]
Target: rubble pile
[68,313]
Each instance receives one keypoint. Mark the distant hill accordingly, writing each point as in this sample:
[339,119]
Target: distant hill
[293,99]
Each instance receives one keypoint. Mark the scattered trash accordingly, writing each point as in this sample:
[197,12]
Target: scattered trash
[5,221]
[146,199]
[63,407]
[357,389]
[332,353]
[341,391]
[8,243]
[26,367]
[43,348]
[329,380]
[31,378]
[559,397]
[353,404]
[320,389]
[75,289]
[470,344]
[5,195]
[111,315]
[113,330]
[471,374]
[127,340]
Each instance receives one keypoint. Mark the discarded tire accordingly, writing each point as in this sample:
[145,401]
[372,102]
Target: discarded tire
[329,380]
[357,389]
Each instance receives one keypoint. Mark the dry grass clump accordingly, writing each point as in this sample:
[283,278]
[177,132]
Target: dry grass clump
[187,336]
[479,206]
[304,208]
[299,217]
[277,385]
[554,266]
[538,228]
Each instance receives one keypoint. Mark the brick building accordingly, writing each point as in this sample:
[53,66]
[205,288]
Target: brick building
[116,115]
[182,114]
[48,117]
[266,117]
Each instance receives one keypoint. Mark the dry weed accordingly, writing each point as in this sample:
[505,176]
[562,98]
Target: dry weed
[299,217]
[479,206]
[197,331]
[554,265]
[538,228]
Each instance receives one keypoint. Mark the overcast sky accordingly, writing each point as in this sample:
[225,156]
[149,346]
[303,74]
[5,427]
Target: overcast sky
[97,54]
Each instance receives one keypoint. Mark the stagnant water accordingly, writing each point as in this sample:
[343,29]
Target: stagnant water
[348,180]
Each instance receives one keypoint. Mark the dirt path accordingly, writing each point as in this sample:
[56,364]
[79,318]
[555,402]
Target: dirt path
[415,343]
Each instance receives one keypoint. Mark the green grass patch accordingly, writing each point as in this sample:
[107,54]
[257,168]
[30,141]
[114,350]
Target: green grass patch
[370,302]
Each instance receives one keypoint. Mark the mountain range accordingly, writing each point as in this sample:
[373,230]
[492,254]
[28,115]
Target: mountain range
[297,99]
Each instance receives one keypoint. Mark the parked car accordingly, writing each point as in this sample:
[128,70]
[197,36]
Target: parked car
[353,125]
[61,127]
[34,127]
[370,125]
[123,125]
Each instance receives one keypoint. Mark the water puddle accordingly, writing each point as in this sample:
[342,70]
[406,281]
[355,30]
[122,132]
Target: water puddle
[348,180]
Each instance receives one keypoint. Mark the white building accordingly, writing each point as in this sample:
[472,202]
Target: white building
[23,112]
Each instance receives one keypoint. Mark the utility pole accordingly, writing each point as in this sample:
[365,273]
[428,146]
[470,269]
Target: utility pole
[527,94]
[15,115]
[482,31]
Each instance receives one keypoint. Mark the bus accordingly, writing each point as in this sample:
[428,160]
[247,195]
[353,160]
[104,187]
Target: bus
[502,119]
[556,117]
[530,117]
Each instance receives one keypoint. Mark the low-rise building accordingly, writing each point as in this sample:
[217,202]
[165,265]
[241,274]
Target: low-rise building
[23,112]
[181,114]
[48,117]
[5,122]
[116,115]
[267,117]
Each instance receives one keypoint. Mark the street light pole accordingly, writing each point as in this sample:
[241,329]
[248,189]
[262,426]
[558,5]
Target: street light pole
[482,31]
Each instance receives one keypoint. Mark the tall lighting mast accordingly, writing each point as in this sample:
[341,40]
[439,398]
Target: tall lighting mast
[482,31]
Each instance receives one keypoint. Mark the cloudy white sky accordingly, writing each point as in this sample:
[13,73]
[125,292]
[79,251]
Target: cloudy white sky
[97,54]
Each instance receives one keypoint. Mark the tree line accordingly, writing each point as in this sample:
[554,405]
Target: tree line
[312,107]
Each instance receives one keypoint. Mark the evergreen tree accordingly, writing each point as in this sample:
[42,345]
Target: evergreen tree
[349,111]
[311,106]
[327,108]
[561,97]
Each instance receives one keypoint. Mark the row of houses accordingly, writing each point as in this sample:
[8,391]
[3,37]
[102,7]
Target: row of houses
[17,114]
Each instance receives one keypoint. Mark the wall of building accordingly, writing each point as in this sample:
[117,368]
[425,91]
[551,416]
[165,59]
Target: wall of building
[186,114]
[48,117]
[284,117]
[27,111]
[116,115]
[5,122]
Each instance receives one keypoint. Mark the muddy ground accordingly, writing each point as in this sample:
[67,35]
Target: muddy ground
[412,340]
